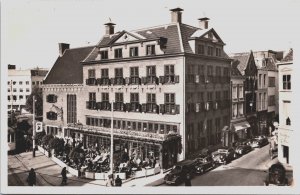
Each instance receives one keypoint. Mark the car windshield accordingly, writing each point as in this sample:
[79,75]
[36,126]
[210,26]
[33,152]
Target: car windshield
[202,160]
[222,151]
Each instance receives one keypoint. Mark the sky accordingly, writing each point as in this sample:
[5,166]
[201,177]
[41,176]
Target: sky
[32,29]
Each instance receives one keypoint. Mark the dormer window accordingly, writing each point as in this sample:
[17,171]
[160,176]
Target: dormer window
[134,51]
[118,53]
[200,49]
[150,50]
[104,54]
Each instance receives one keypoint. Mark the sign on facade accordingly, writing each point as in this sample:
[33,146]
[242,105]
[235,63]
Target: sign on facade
[38,126]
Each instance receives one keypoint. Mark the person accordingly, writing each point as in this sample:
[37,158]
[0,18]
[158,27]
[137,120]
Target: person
[118,181]
[188,180]
[31,180]
[64,176]
[109,182]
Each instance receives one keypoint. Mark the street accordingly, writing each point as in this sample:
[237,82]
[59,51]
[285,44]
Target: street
[248,170]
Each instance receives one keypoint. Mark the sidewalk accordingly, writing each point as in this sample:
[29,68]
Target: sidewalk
[49,173]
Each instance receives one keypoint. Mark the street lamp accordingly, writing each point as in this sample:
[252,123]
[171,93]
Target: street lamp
[111,138]
[33,126]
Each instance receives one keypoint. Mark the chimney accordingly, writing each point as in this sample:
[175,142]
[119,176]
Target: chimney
[109,28]
[203,23]
[11,67]
[176,15]
[63,47]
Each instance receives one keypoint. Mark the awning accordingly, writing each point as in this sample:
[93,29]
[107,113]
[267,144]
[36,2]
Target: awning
[241,126]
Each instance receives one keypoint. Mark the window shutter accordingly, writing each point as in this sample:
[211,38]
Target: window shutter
[109,106]
[157,109]
[144,80]
[99,82]
[197,107]
[177,79]
[54,98]
[161,79]
[177,109]
[128,107]
[197,78]
[162,108]
[139,107]
[144,107]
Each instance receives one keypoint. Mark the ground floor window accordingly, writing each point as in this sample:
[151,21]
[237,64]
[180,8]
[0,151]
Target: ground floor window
[52,130]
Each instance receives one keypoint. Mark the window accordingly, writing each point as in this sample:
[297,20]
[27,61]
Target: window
[134,51]
[14,97]
[201,49]
[20,97]
[8,89]
[271,100]
[288,121]
[287,82]
[271,81]
[118,53]
[33,83]
[218,52]
[134,72]
[8,82]
[151,102]
[21,90]
[210,51]
[14,82]
[71,109]
[134,98]
[260,101]
[27,82]
[265,80]
[27,96]
[14,90]
[92,96]
[201,69]
[119,72]
[104,73]
[8,98]
[150,50]
[259,80]
[91,73]
[104,54]
[105,97]
[170,102]
[264,101]
[234,92]
[209,70]
[169,73]
[241,92]
[151,71]
[119,101]
[51,98]
[27,90]
[20,83]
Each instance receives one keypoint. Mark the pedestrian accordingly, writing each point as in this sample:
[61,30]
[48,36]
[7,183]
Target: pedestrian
[110,181]
[31,179]
[118,181]
[188,180]
[64,176]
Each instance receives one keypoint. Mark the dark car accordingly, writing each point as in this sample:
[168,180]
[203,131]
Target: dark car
[243,149]
[276,176]
[223,155]
[204,163]
[179,172]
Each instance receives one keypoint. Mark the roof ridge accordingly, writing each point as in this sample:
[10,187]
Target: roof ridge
[153,27]
[81,47]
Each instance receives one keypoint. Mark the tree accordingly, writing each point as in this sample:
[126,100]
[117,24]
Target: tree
[46,140]
[57,144]
[37,92]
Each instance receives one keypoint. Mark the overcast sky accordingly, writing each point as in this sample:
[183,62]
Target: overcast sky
[31,30]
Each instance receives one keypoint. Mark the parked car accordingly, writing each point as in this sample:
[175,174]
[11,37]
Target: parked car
[179,172]
[204,163]
[243,149]
[276,176]
[259,141]
[223,155]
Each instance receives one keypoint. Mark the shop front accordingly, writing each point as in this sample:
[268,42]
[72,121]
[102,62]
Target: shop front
[241,129]
[262,122]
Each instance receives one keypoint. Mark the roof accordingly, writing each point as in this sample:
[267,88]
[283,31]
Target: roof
[288,57]
[60,72]
[235,72]
[176,34]
[240,61]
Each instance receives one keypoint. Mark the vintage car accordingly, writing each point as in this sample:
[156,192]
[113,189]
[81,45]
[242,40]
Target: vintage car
[259,141]
[223,155]
[179,172]
[204,163]
[242,149]
[276,176]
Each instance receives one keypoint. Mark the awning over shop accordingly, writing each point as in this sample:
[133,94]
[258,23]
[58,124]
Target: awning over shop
[241,126]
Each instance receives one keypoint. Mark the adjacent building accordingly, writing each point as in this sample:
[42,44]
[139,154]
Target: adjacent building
[164,90]
[20,84]
[245,64]
[285,129]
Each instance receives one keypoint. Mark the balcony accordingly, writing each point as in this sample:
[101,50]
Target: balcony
[169,79]
[103,106]
[150,80]
[150,108]
[169,109]
[103,81]
[119,106]
[91,105]
[117,81]
[133,107]
[133,80]
[91,81]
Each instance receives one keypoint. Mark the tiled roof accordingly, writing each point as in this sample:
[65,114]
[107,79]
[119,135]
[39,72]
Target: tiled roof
[271,64]
[235,72]
[186,33]
[288,57]
[67,68]
[240,61]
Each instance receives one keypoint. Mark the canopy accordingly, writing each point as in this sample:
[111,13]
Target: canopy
[241,126]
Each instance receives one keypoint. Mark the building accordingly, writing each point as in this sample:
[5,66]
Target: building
[20,84]
[245,63]
[168,86]
[238,122]
[268,59]
[285,129]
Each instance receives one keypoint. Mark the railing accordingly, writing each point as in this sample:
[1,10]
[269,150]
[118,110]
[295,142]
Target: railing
[117,81]
[103,106]
[103,81]
[169,109]
[91,81]
[91,105]
[119,106]
[150,80]
[169,79]
[133,80]
[122,132]
[150,108]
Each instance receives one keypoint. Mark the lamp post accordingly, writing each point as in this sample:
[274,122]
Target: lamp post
[111,138]
[33,126]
